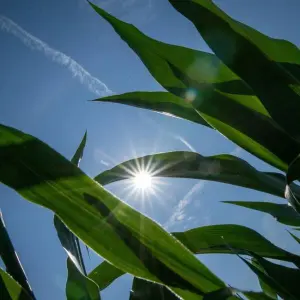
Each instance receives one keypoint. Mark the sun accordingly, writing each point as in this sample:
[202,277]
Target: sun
[142,180]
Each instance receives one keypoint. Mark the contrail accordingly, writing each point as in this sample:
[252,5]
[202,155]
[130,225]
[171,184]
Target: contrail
[94,84]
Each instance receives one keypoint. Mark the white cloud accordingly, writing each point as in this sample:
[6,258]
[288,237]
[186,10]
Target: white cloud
[93,84]
[185,142]
[178,214]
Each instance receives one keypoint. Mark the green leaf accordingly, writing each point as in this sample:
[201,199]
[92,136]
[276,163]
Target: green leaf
[11,260]
[104,223]
[145,290]
[199,76]
[104,274]
[201,66]
[283,213]
[269,280]
[11,289]
[233,119]
[163,102]
[282,279]
[208,240]
[224,238]
[79,152]
[79,286]
[259,60]
[268,290]
[222,168]
[256,296]
[292,175]
[295,237]
[221,294]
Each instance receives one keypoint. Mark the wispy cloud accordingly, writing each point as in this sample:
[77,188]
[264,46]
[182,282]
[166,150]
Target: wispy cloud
[185,142]
[92,83]
[179,211]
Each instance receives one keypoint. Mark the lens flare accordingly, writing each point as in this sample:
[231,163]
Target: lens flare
[142,180]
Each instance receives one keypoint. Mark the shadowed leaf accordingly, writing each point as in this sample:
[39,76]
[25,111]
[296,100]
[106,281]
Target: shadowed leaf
[262,62]
[105,274]
[199,78]
[10,289]
[163,102]
[222,168]
[283,213]
[11,261]
[43,176]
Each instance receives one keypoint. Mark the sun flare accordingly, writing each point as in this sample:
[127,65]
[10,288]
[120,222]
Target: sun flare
[143,180]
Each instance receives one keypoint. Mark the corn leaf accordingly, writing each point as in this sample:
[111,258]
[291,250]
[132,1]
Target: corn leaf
[268,290]
[222,239]
[11,260]
[229,110]
[11,289]
[297,239]
[103,222]
[263,63]
[292,175]
[282,279]
[221,294]
[183,164]
[145,290]
[163,102]
[105,274]
[283,213]
[79,286]
[256,296]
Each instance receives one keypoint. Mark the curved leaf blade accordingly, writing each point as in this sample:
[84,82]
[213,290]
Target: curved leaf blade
[11,260]
[145,290]
[228,110]
[224,238]
[11,289]
[99,218]
[252,56]
[79,286]
[203,67]
[163,102]
[209,240]
[292,175]
[282,279]
[183,164]
[104,274]
[283,213]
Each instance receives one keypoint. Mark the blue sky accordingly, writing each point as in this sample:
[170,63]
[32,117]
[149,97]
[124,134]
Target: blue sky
[56,55]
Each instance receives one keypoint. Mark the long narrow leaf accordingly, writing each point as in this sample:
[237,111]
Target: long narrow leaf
[10,259]
[103,222]
[285,277]
[10,289]
[160,102]
[229,110]
[78,285]
[283,213]
[218,239]
[253,56]
[145,290]
[105,274]
[223,168]
[292,175]
[208,240]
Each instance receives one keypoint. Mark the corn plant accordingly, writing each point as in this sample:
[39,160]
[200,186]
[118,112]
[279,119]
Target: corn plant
[248,91]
